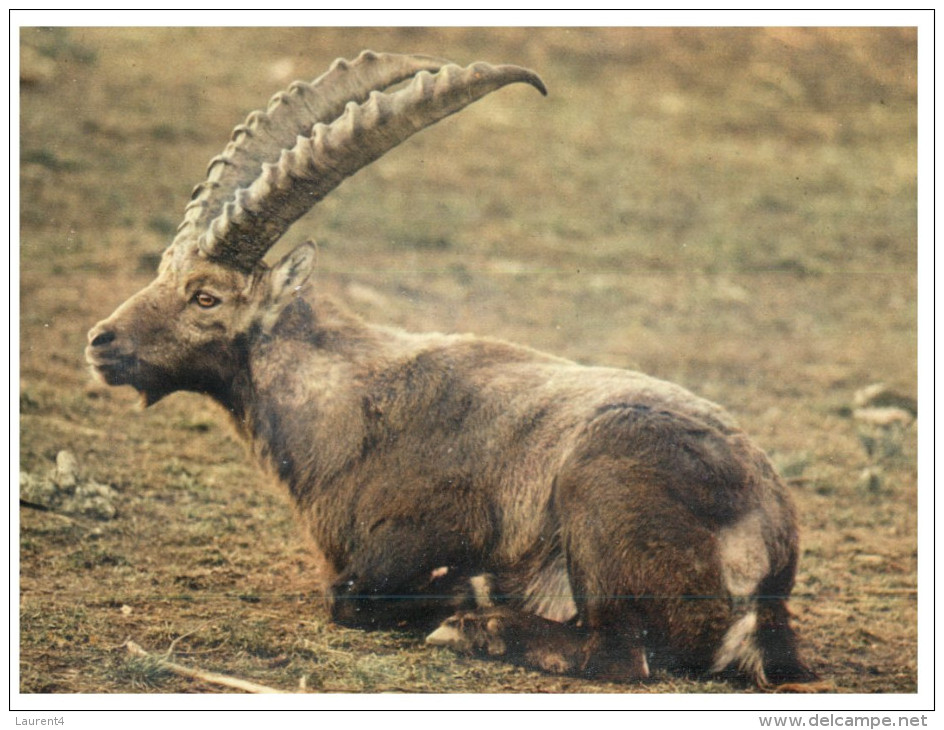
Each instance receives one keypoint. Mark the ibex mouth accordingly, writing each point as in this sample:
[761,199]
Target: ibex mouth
[109,368]
[126,370]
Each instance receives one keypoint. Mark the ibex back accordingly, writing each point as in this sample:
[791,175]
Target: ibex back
[580,520]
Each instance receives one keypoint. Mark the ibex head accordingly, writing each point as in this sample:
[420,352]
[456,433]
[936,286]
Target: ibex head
[188,329]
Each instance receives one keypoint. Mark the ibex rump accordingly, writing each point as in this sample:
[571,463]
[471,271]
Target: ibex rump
[580,520]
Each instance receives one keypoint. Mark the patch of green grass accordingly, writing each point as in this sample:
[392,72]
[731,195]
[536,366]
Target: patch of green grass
[141,674]
[255,637]
[164,132]
[162,225]
[58,43]
[50,160]
[88,558]
[791,466]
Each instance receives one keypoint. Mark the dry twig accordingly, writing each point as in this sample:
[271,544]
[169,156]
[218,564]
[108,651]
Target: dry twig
[210,677]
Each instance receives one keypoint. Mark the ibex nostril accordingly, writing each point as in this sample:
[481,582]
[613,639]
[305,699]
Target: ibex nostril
[102,338]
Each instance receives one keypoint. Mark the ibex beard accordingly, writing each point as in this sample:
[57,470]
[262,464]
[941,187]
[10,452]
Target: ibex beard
[580,520]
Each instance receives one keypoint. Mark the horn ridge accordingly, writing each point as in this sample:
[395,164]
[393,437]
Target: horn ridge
[264,134]
[257,217]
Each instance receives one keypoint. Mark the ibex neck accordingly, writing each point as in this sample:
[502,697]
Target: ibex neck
[296,402]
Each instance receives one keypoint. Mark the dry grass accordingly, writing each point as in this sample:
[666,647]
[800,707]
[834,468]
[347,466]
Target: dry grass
[734,210]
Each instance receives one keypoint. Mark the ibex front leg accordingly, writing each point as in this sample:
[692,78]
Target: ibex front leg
[539,643]
[401,574]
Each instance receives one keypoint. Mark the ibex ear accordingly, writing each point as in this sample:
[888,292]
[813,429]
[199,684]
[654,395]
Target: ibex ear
[291,273]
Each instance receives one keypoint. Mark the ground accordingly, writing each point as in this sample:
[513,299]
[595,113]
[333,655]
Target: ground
[734,210]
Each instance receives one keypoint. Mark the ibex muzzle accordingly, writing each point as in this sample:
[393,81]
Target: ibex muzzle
[580,520]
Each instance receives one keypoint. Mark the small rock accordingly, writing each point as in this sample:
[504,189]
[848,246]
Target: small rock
[38,491]
[97,507]
[62,490]
[66,475]
[91,490]
[127,610]
[878,395]
[884,417]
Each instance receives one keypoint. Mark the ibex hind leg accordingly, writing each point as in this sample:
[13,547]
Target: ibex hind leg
[761,648]
[778,643]
[644,570]
[761,644]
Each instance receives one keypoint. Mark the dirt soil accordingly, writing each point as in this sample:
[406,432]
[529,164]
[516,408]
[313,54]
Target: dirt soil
[734,210]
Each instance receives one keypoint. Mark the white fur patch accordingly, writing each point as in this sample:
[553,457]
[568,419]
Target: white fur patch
[482,590]
[739,649]
[549,594]
[744,559]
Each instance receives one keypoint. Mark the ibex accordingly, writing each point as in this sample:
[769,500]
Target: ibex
[575,519]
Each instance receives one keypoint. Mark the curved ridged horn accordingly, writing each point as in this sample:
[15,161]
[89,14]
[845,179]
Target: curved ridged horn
[260,213]
[264,134]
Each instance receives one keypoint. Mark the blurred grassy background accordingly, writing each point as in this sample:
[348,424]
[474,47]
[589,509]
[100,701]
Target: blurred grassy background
[733,209]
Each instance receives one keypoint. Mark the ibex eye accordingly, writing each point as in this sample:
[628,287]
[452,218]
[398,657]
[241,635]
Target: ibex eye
[205,300]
